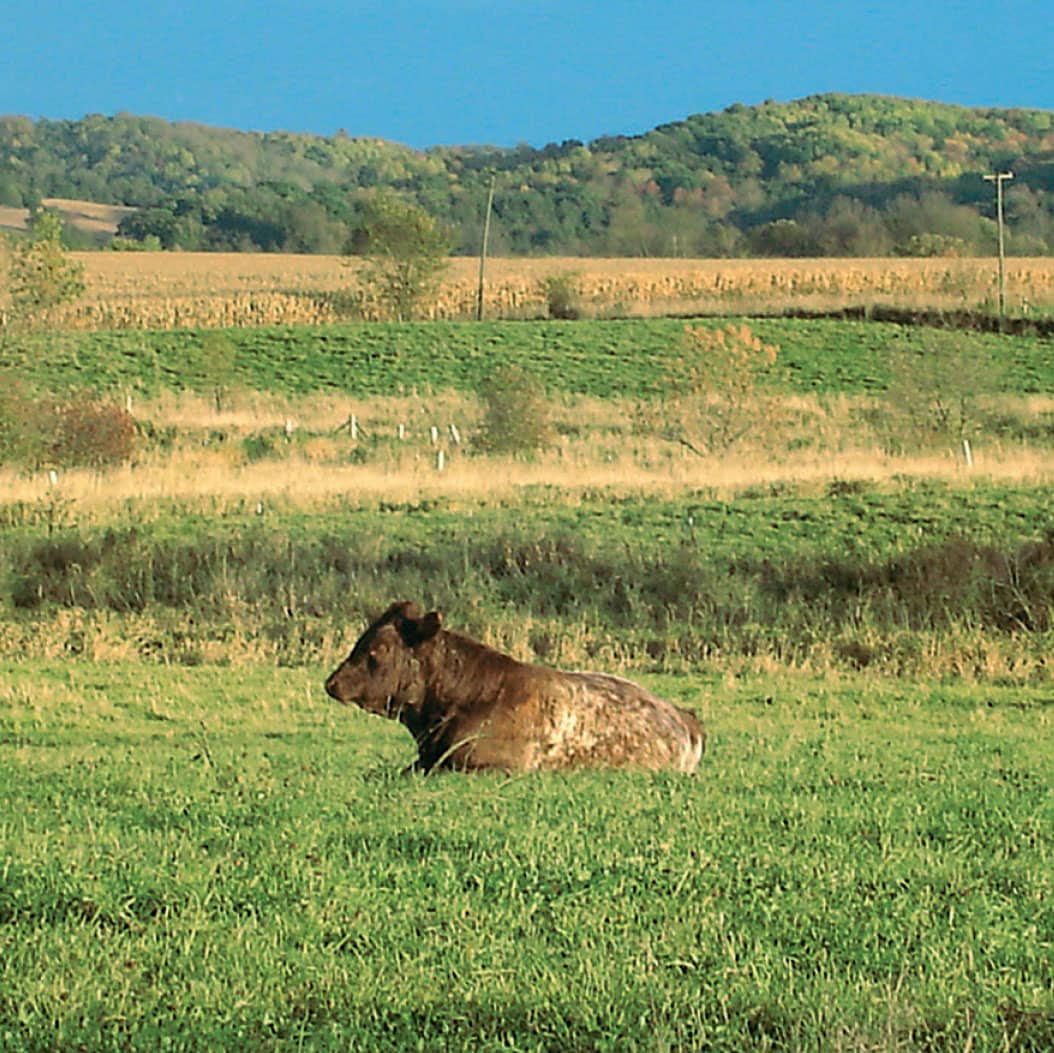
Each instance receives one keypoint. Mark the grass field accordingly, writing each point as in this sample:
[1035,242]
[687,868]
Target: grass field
[199,850]
[603,358]
[178,290]
[911,579]
[205,859]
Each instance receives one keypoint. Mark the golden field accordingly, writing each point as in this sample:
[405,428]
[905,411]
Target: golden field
[174,290]
[612,445]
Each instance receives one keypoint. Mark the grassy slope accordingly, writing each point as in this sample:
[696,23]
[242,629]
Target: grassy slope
[218,859]
[601,358]
[90,217]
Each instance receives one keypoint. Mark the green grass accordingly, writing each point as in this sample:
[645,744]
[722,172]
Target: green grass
[920,578]
[216,858]
[197,856]
[599,358]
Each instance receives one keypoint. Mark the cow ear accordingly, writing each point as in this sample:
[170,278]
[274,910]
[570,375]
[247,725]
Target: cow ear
[429,625]
[419,630]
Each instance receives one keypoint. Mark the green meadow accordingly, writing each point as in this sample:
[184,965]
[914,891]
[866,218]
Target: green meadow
[203,858]
[602,358]
[199,850]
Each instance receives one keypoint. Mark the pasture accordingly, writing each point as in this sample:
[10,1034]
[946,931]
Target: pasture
[200,850]
[203,858]
[605,359]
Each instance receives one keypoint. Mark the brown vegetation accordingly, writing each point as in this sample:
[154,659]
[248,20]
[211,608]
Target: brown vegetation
[308,455]
[174,290]
[87,216]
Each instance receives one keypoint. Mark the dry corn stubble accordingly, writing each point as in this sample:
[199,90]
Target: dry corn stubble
[178,290]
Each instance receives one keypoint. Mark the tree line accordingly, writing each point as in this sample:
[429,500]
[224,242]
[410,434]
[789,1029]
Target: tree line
[828,175]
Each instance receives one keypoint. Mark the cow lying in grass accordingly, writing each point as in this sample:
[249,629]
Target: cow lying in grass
[471,708]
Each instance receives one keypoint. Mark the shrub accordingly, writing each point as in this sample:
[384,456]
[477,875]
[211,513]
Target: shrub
[561,296]
[717,386]
[264,445]
[78,433]
[91,434]
[516,414]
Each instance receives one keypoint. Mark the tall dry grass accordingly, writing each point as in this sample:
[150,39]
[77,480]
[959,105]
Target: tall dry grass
[603,445]
[174,290]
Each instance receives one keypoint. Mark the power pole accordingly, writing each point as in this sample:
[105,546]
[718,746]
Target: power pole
[999,178]
[483,250]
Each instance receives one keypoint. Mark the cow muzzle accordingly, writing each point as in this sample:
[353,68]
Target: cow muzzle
[333,690]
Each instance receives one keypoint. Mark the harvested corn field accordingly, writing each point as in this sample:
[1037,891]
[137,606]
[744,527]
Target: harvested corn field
[176,290]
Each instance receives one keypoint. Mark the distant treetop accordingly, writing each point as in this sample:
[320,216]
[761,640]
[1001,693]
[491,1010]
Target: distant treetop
[825,175]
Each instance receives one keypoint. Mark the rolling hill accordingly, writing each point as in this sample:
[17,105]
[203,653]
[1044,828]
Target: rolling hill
[825,175]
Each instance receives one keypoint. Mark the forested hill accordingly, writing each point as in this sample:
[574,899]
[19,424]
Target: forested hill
[826,175]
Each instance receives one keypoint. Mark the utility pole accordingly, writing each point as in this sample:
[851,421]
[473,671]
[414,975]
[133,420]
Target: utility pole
[483,250]
[999,178]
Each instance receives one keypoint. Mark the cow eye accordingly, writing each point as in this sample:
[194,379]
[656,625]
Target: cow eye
[372,663]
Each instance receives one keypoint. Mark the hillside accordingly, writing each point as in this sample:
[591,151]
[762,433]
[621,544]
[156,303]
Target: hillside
[91,218]
[825,175]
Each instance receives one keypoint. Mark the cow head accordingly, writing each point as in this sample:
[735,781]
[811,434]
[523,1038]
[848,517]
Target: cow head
[383,673]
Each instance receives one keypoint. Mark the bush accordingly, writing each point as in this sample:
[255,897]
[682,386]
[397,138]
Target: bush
[79,433]
[718,387]
[516,414]
[561,296]
[91,434]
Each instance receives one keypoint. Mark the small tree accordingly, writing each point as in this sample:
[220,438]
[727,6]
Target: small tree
[716,387]
[24,429]
[218,357]
[936,392]
[516,414]
[40,275]
[406,252]
[91,434]
[561,296]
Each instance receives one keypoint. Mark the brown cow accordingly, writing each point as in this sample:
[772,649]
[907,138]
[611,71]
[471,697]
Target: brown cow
[470,707]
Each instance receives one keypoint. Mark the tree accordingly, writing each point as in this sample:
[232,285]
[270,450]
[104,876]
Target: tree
[718,388]
[517,414]
[158,223]
[406,251]
[937,391]
[40,275]
[218,372]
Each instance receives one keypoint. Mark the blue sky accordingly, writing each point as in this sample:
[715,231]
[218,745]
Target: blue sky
[505,71]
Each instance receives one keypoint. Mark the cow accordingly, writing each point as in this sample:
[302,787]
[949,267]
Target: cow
[472,708]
